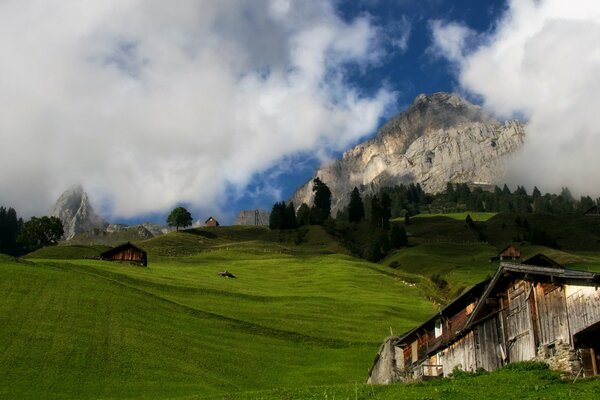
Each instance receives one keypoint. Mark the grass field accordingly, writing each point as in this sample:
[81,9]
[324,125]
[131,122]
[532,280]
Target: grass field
[461,216]
[299,322]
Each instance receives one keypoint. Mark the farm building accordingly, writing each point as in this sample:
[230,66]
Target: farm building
[526,312]
[510,252]
[126,252]
[211,222]
[592,212]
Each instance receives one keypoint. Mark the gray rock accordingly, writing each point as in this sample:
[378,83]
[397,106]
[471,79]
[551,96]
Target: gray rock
[76,213]
[440,138]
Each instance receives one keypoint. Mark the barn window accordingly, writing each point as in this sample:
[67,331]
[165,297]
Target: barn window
[438,328]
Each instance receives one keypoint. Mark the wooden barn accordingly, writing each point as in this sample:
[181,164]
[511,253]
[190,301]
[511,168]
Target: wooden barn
[126,252]
[211,222]
[524,313]
[593,212]
[510,252]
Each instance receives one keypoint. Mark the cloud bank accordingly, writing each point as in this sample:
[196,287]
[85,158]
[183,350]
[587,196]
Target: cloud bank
[150,103]
[541,61]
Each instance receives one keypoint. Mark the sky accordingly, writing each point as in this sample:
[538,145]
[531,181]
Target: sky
[224,105]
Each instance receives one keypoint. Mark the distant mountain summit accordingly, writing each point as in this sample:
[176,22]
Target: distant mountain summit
[77,214]
[440,138]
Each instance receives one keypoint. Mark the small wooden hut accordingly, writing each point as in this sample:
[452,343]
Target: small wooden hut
[510,252]
[211,222]
[592,212]
[126,252]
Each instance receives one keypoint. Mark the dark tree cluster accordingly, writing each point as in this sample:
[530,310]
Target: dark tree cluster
[283,216]
[10,226]
[18,237]
[41,232]
[459,197]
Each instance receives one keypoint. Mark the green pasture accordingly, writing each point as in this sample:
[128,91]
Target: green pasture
[302,320]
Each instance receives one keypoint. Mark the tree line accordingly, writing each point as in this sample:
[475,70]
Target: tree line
[18,237]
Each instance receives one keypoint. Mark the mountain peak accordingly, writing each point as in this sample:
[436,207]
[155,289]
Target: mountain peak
[74,209]
[439,138]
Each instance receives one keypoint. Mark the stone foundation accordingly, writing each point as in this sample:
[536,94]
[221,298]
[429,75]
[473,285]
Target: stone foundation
[560,357]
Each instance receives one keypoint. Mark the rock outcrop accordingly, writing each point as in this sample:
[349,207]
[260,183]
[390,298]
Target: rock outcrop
[440,138]
[76,213]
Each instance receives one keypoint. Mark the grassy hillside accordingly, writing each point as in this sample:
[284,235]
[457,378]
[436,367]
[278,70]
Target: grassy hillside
[293,317]
[302,316]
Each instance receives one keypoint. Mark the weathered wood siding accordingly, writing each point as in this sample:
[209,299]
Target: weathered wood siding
[128,255]
[552,321]
[488,342]
[519,326]
[583,304]
[460,354]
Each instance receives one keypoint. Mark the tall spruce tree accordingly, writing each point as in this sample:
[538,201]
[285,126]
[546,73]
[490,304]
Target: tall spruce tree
[356,208]
[322,203]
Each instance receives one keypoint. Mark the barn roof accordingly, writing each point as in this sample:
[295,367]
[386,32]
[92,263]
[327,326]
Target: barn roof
[542,260]
[508,247]
[592,211]
[453,307]
[120,248]
[508,272]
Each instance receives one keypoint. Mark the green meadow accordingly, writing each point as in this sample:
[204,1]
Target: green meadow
[300,321]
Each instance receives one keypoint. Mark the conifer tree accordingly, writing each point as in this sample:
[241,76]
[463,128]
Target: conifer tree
[356,208]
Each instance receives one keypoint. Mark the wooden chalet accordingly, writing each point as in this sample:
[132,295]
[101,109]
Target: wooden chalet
[126,252]
[524,313]
[211,222]
[593,212]
[510,252]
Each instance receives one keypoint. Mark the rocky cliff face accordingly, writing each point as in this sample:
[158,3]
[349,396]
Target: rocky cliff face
[75,211]
[440,138]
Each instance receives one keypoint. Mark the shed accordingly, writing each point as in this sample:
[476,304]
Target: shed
[126,252]
[211,222]
[510,252]
[592,212]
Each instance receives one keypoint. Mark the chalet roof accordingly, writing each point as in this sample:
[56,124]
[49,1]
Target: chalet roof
[120,248]
[210,218]
[508,271]
[508,247]
[453,307]
[541,260]
[593,210]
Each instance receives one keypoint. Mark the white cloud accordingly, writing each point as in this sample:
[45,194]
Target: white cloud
[542,61]
[148,103]
[450,39]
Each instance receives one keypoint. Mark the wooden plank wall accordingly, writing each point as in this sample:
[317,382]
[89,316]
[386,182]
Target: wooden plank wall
[128,255]
[583,305]
[461,354]
[488,342]
[552,321]
[521,339]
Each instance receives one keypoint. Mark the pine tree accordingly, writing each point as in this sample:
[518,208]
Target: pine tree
[289,220]
[386,211]
[303,215]
[322,203]
[356,208]
[398,237]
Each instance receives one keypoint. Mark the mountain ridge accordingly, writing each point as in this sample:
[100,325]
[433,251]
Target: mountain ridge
[439,138]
